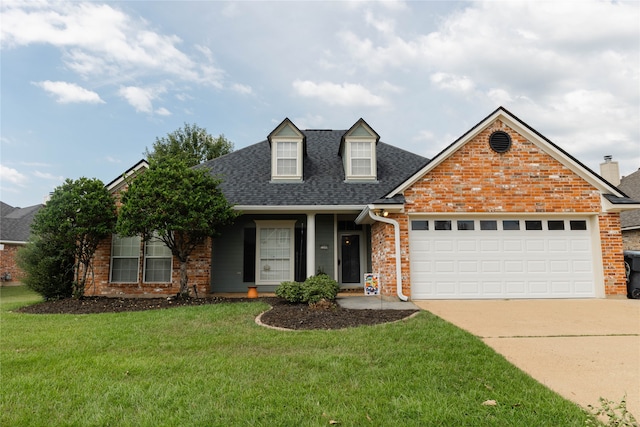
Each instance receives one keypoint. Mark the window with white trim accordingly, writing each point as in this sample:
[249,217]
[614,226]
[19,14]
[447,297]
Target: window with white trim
[157,261]
[274,251]
[361,155]
[358,151]
[286,159]
[287,149]
[125,259]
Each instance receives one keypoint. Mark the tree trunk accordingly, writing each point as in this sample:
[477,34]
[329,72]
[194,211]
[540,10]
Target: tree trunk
[184,279]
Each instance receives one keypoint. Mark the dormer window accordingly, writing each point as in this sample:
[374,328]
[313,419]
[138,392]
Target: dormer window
[358,151]
[287,149]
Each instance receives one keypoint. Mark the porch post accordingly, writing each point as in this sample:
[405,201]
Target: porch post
[311,244]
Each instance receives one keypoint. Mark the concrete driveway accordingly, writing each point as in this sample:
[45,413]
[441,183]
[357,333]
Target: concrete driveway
[582,349]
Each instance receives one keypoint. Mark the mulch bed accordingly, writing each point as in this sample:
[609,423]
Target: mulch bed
[282,313]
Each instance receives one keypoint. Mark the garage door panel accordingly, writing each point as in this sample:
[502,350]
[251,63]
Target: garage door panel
[540,287]
[443,245]
[490,245]
[470,288]
[559,266]
[514,266]
[495,263]
[537,266]
[535,245]
[467,246]
[513,245]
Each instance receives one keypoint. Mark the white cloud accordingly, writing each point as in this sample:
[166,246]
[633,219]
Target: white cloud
[140,98]
[48,176]
[452,82]
[346,94]
[163,112]
[70,92]
[12,176]
[100,40]
[113,160]
[242,89]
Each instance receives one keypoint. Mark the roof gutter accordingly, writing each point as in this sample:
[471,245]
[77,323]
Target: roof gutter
[396,229]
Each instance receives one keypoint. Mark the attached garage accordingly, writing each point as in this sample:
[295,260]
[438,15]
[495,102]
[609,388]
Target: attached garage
[502,257]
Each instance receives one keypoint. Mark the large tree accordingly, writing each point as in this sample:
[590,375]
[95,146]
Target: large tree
[191,143]
[77,217]
[177,204]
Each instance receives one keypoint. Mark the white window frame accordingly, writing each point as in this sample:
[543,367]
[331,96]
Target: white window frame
[297,176]
[350,158]
[167,255]
[115,239]
[263,267]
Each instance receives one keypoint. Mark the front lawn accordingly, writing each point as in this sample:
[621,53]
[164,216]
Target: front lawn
[212,365]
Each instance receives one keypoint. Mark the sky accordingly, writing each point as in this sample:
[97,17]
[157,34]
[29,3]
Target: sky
[86,87]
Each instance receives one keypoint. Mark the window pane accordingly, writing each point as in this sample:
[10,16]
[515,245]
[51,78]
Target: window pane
[157,270]
[578,225]
[466,225]
[488,225]
[361,158]
[419,225]
[124,270]
[275,253]
[125,246]
[555,225]
[511,225]
[442,225]
[286,167]
[157,261]
[533,225]
[361,167]
[286,158]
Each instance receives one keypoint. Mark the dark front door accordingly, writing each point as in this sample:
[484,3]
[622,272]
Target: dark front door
[350,258]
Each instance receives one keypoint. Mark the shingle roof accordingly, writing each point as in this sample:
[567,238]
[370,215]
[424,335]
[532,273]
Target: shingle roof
[15,223]
[630,185]
[246,174]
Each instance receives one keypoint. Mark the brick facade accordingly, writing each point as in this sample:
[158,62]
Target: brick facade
[198,268]
[475,179]
[9,265]
[631,240]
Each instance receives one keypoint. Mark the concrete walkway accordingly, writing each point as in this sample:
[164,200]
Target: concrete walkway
[582,349]
[373,302]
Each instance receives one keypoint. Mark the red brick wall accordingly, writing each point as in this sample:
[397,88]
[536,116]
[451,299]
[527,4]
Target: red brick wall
[198,267]
[8,263]
[475,179]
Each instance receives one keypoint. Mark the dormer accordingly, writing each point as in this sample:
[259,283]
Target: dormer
[287,144]
[358,152]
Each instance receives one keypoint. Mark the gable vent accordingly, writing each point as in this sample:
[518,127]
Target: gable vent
[500,141]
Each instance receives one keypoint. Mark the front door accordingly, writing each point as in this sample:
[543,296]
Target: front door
[349,259]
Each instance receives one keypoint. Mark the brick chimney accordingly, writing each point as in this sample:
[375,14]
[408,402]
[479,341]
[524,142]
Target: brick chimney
[610,171]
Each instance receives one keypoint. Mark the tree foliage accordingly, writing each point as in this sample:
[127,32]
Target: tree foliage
[78,216]
[191,143]
[179,205]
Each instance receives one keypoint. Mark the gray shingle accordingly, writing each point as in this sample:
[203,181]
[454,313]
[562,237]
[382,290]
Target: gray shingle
[630,185]
[246,174]
[15,224]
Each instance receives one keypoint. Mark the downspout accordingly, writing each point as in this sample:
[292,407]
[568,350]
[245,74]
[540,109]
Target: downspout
[396,229]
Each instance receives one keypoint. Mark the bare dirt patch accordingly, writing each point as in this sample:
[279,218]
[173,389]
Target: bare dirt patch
[282,314]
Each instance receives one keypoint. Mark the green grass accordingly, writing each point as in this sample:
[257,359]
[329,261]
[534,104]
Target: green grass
[212,365]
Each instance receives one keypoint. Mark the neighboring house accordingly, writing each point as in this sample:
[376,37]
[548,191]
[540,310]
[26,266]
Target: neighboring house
[500,213]
[630,220]
[15,228]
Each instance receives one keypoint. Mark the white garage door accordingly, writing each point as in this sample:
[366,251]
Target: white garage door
[501,258]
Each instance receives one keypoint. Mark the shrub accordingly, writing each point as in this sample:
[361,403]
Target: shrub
[311,291]
[290,291]
[317,288]
[48,268]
